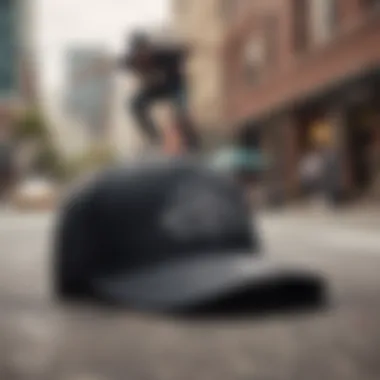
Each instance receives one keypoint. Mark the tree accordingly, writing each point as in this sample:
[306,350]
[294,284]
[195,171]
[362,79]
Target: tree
[95,158]
[31,128]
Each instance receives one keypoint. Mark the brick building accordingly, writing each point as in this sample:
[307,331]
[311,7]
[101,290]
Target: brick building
[205,26]
[292,67]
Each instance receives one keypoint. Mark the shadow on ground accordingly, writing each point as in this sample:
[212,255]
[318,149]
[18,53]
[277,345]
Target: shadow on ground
[265,301]
[281,299]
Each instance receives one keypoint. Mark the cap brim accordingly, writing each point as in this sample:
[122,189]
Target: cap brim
[192,282]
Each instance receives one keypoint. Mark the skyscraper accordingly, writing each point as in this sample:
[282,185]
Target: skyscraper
[17,80]
[89,89]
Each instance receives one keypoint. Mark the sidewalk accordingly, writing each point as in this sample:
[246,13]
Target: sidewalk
[303,231]
[359,216]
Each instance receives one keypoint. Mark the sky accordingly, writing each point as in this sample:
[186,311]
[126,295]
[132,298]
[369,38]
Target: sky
[63,23]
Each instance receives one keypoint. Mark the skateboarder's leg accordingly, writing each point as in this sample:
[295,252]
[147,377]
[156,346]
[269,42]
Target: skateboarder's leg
[183,120]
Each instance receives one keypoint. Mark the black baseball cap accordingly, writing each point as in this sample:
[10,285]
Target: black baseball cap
[164,234]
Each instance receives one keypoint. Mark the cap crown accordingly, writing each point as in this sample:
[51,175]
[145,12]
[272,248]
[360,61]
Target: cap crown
[157,212]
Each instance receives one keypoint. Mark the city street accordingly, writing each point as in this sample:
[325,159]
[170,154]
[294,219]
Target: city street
[42,340]
[283,97]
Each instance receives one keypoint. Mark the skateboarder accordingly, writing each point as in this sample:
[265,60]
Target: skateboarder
[162,76]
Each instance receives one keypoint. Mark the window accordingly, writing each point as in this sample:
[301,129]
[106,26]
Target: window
[254,57]
[301,31]
[323,19]
[271,38]
[228,8]
[261,49]
[370,4]
[250,136]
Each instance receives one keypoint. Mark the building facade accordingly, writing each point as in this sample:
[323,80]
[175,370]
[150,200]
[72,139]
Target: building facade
[303,73]
[205,25]
[202,26]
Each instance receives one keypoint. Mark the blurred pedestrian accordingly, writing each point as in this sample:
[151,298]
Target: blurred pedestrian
[331,177]
[311,173]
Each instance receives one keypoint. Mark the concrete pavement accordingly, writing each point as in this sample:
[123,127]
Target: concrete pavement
[337,233]
[41,340]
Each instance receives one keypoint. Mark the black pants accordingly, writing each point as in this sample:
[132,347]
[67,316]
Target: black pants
[176,94]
